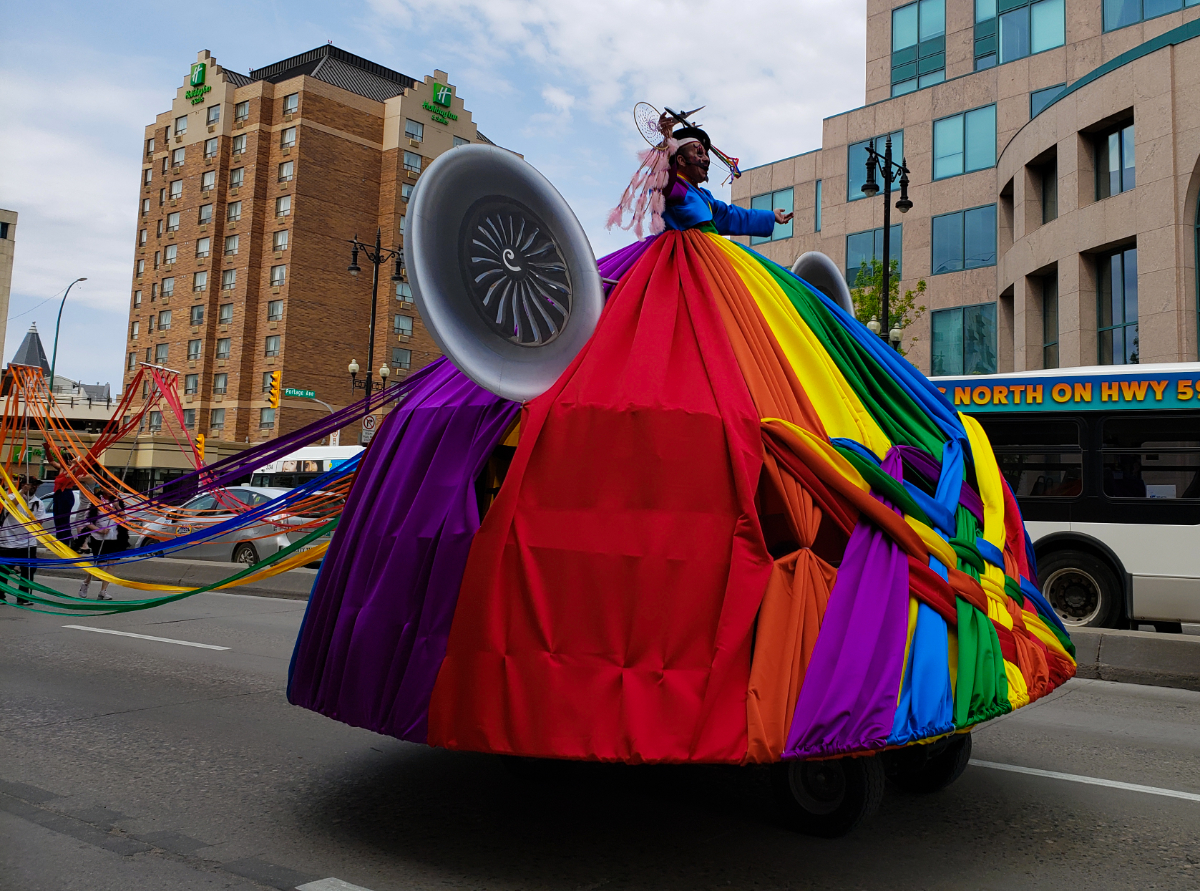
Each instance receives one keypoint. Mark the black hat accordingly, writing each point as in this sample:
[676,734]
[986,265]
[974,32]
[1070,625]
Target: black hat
[695,133]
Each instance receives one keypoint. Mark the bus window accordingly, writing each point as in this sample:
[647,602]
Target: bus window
[1149,457]
[1038,460]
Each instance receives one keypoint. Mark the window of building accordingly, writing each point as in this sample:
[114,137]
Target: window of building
[918,46]
[1120,13]
[268,378]
[817,207]
[134,327]
[286,171]
[147,176]
[205,216]
[181,125]
[168,286]
[241,111]
[274,310]
[283,205]
[272,348]
[458,140]
[170,254]
[162,197]
[202,246]
[964,340]
[278,274]
[406,190]
[145,206]
[160,228]
[223,348]
[150,324]
[867,247]
[216,418]
[291,103]
[208,180]
[150,146]
[214,115]
[414,130]
[176,189]
[1049,187]
[287,137]
[1040,99]
[266,418]
[132,362]
[279,240]
[236,177]
[964,142]
[1114,162]
[780,200]
[142,234]
[161,353]
[153,291]
[220,383]
[166,165]
[225,313]
[189,417]
[197,315]
[177,156]
[231,245]
[145,383]
[1014,29]
[191,383]
[412,162]
[228,279]
[199,282]
[1050,320]
[403,326]
[194,350]
[155,421]
[210,147]
[402,222]
[234,211]
[157,259]
[239,144]
[403,292]
[137,299]
[173,221]
[1118,315]
[141,267]
[401,358]
[965,239]
[164,317]
[856,161]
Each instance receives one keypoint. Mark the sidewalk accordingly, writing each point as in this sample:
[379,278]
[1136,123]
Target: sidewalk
[1138,657]
[295,584]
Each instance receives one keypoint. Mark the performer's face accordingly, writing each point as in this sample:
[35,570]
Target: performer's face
[693,162]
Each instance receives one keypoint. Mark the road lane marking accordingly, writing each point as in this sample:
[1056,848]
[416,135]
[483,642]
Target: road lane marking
[330,885]
[182,643]
[1090,781]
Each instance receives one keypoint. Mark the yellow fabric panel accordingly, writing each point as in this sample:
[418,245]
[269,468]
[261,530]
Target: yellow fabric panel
[987,472]
[913,606]
[937,545]
[1018,692]
[832,455]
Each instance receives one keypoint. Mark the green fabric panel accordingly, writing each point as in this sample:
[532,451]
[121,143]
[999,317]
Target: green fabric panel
[982,684]
[901,419]
[884,484]
[1013,590]
[968,553]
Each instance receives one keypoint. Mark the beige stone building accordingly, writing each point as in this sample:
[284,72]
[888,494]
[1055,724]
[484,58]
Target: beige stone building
[250,188]
[1053,148]
[8,246]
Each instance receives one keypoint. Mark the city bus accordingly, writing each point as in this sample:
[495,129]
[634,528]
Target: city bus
[302,465]
[1105,465]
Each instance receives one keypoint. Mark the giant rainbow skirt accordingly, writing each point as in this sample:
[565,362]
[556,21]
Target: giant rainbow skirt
[739,528]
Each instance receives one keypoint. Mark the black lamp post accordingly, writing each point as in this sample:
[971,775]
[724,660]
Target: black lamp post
[889,170]
[376,255]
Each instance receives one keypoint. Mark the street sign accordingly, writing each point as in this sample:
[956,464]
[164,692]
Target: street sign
[299,394]
[366,436]
[335,438]
[369,422]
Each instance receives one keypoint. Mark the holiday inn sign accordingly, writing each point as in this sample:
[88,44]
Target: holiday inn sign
[198,86]
[439,109]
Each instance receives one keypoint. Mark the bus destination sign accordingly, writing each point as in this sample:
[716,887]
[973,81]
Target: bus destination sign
[1094,392]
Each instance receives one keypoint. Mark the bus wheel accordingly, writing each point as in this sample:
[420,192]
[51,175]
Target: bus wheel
[1083,590]
[931,767]
[828,798]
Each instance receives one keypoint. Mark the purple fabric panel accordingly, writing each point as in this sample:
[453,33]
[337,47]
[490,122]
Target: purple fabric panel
[375,633]
[848,700]
[932,468]
[617,263]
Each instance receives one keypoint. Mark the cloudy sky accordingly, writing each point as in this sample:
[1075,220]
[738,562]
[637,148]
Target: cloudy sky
[553,79]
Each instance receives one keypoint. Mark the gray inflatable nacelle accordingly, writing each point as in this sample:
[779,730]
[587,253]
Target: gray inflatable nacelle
[823,274]
[501,271]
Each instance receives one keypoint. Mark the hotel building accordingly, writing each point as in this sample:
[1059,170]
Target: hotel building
[1053,147]
[250,187]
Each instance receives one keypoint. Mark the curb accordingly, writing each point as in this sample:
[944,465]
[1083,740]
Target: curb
[1138,657]
[295,584]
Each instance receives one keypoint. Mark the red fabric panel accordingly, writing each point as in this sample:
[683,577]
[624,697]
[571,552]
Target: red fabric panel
[1014,531]
[608,604]
[932,590]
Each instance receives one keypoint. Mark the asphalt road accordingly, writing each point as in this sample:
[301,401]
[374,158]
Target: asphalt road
[128,763]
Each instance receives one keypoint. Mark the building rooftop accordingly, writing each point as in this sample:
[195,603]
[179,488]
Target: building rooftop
[336,67]
[30,352]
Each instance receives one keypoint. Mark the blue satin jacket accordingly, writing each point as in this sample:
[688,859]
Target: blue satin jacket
[689,206]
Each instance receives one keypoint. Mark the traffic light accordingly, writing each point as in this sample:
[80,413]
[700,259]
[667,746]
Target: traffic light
[200,445]
[273,395]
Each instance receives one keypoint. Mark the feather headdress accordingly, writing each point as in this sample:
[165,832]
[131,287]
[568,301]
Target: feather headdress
[645,190]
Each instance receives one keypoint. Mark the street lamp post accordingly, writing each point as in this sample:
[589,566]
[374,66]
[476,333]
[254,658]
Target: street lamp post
[54,351]
[377,255]
[889,170]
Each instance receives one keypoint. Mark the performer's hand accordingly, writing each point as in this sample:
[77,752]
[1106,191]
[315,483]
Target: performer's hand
[782,217]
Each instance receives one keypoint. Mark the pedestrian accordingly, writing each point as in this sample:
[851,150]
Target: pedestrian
[63,502]
[106,538]
[17,538]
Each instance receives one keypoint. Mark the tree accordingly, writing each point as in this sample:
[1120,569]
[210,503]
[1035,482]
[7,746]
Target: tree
[868,285]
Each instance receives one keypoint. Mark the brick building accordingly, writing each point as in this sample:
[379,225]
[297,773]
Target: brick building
[250,187]
[1054,149]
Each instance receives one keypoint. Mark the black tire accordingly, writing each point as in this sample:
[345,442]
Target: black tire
[151,542]
[1082,589]
[915,770]
[828,798]
[245,553]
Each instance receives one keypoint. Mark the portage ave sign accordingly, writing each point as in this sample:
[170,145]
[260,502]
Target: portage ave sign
[299,394]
